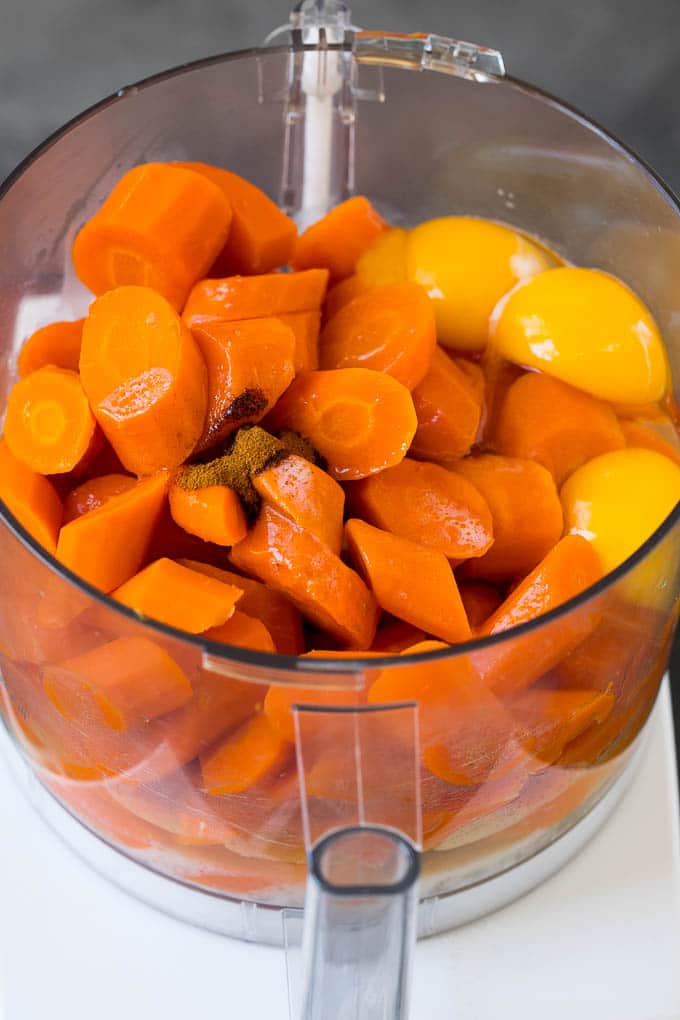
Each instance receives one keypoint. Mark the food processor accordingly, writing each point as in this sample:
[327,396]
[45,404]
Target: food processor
[354,827]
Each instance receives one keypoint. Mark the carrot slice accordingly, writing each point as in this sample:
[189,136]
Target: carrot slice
[279,701]
[250,364]
[546,420]
[107,545]
[243,631]
[252,297]
[338,240]
[261,236]
[282,554]
[409,581]
[305,326]
[390,329]
[480,601]
[428,504]
[359,420]
[449,403]
[340,294]
[526,511]
[162,226]
[307,495]
[145,379]
[49,425]
[395,635]
[31,498]
[642,436]
[179,597]
[243,758]
[57,344]
[213,513]
[551,719]
[130,680]
[94,493]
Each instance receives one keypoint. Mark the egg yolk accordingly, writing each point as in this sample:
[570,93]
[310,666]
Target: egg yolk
[385,260]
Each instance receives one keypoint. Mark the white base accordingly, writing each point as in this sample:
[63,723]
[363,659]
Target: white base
[600,939]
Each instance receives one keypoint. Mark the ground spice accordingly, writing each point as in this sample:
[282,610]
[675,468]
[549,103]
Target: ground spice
[295,443]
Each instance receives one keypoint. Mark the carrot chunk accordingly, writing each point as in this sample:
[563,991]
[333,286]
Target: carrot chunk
[305,326]
[31,498]
[250,364]
[395,635]
[546,420]
[94,493]
[340,294]
[359,420]
[409,581]
[49,425]
[243,758]
[107,545]
[130,680]
[293,561]
[338,240]
[646,437]
[252,297]
[449,403]
[551,719]
[390,329]
[526,511]
[279,701]
[261,236]
[480,601]
[307,495]
[162,226]
[145,379]
[243,631]
[428,504]
[57,344]
[213,513]
[179,597]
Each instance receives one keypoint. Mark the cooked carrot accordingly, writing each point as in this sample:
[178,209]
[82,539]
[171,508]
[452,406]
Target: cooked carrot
[409,581]
[279,701]
[94,493]
[359,420]
[395,635]
[426,503]
[49,425]
[293,561]
[307,495]
[338,240]
[169,541]
[280,618]
[31,498]
[92,803]
[390,329]
[385,261]
[546,420]
[57,344]
[250,364]
[243,758]
[130,680]
[499,375]
[243,631]
[340,294]
[261,236]
[549,720]
[480,600]
[213,513]
[305,326]
[646,437]
[145,379]
[526,511]
[449,404]
[251,297]
[107,546]
[162,227]
[179,597]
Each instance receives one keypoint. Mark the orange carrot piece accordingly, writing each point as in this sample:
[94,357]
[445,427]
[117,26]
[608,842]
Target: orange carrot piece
[280,618]
[339,239]
[390,329]
[359,420]
[145,379]
[449,404]
[261,236]
[108,545]
[250,364]
[307,495]
[130,680]
[94,493]
[243,631]
[305,326]
[31,498]
[551,719]
[428,504]
[499,375]
[526,511]
[162,227]
[409,581]
[340,294]
[179,597]
[395,635]
[279,701]
[49,425]
[480,601]
[297,563]
[546,420]
[57,344]
[243,758]
[642,436]
[252,297]
[213,513]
